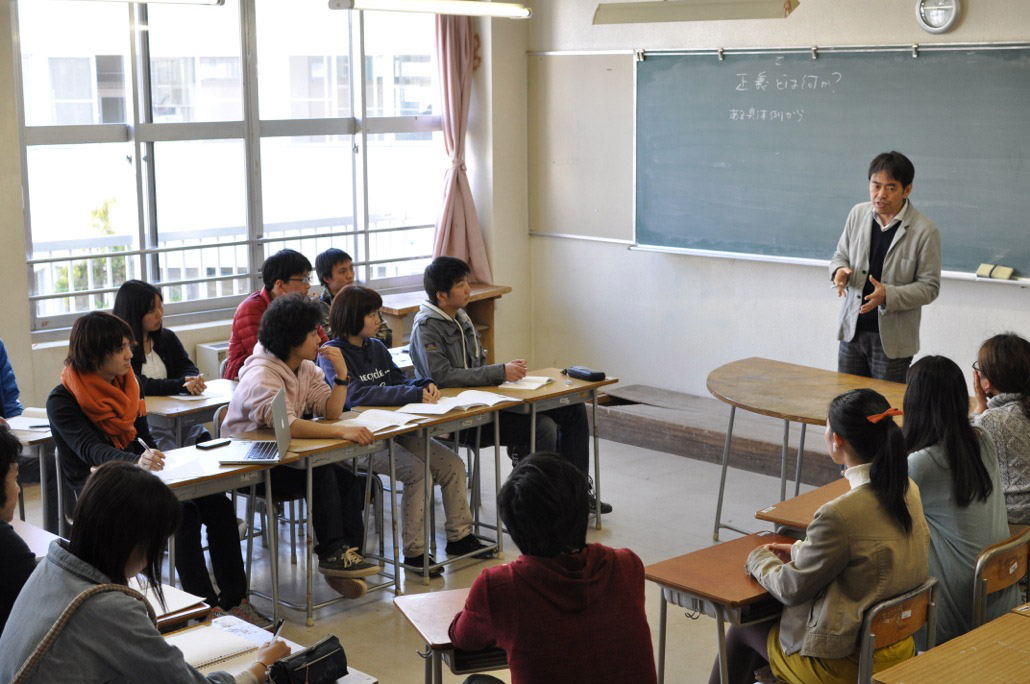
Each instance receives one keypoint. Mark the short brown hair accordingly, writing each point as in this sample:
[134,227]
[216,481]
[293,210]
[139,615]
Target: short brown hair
[1005,360]
[94,337]
[350,306]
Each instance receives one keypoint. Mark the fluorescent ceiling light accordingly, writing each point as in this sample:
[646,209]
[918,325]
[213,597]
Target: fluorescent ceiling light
[468,8]
[692,10]
[175,2]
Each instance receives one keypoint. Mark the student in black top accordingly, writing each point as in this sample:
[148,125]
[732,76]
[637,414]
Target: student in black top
[16,560]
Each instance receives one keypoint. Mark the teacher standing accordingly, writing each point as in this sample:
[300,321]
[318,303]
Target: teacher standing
[887,267]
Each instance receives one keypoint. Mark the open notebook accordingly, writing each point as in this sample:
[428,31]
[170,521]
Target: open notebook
[207,647]
[466,400]
[176,600]
[378,420]
[530,382]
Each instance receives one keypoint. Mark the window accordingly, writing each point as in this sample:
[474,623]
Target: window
[145,159]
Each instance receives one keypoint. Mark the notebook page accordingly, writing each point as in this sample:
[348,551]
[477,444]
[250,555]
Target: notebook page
[203,646]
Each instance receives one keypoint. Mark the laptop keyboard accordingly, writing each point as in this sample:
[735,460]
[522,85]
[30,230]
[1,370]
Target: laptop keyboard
[262,451]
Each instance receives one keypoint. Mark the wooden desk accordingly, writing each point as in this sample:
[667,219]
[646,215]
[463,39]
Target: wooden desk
[564,391]
[798,512]
[431,614]
[40,440]
[714,581]
[996,653]
[400,305]
[182,414]
[789,392]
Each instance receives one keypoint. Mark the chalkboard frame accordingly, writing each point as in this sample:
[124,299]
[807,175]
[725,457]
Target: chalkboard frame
[814,52]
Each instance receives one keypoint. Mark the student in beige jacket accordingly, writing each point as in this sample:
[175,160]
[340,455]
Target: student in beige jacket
[865,546]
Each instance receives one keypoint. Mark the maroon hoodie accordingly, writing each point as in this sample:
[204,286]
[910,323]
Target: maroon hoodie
[578,617]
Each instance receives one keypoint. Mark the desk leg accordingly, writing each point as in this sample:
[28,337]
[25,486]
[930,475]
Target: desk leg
[62,521]
[171,561]
[437,668]
[801,456]
[662,616]
[722,480]
[532,428]
[178,432]
[44,500]
[497,485]
[720,624]
[251,505]
[597,461]
[783,460]
[393,521]
[273,543]
[309,499]
[425,515]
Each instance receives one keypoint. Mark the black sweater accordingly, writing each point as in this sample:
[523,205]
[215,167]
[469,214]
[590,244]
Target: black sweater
[81,444]
[177,363]
[16,565]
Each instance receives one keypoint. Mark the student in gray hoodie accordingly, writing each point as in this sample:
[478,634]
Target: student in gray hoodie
[446,347]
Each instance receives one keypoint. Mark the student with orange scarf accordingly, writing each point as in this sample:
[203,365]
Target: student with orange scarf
[97,414]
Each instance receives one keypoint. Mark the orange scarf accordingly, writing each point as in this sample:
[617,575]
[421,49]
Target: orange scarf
[111,406]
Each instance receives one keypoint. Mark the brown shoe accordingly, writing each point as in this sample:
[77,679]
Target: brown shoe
[347,588]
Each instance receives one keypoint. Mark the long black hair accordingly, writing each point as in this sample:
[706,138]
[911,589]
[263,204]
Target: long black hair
[880,444]
[135,299]
[122,507]
[937,412]
[1005,360]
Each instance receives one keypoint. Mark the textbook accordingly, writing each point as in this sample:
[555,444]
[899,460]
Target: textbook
[378,420]
[466,400]
[530,382]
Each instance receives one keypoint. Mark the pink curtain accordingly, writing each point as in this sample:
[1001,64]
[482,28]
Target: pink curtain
[457,227]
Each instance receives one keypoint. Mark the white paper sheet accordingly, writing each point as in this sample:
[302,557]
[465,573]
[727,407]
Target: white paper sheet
[530,382]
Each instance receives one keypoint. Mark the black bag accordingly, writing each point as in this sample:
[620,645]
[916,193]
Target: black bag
[584,373]
[323,663]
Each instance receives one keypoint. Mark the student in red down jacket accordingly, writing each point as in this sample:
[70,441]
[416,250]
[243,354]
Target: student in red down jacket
[285,272]
[564,611]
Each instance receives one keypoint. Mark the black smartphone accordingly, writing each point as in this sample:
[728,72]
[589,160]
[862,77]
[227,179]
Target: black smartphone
[213,443]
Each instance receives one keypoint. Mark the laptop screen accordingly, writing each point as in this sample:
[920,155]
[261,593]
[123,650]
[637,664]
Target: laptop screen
[281,423]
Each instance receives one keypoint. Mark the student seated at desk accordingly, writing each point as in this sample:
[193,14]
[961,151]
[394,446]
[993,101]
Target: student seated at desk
[446,347]
[97,414]
[284,358]
[285,272]
[565,610]
[335,270]
[1001,382]
[863,547]
[375,380]
[122,521]
[16,559]
[158,357]
[956,469]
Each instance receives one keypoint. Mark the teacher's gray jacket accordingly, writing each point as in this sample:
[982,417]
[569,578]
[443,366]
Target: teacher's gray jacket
[911,274]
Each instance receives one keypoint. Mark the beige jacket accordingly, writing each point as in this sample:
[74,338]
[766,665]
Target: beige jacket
[911,274]
[855,555]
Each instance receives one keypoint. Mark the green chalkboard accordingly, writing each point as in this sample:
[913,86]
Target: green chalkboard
[764,154]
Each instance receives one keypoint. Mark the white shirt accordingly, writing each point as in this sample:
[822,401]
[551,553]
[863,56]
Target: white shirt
[858,475]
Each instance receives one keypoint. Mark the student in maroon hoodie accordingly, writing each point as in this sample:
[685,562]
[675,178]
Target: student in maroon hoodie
[565,610]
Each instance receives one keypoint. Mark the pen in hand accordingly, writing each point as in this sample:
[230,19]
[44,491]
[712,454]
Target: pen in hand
[151,459]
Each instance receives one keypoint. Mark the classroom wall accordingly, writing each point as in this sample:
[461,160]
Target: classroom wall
[668,320]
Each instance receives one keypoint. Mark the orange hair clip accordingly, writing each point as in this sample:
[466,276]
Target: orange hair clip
[877,417]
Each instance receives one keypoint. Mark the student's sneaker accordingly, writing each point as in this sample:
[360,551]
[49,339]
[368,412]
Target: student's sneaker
[241,526]
[416,563]
[246,612]
[591,509]
[346,562]
[347,588]
[467,545]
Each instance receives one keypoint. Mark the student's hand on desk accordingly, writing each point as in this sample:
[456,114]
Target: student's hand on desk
[152,460]
[356,434]
[194,384]
[878,297]
[979,393]
[430,394]
[334,356]
[267,654]
[515,370]
[781,551]
[840,280]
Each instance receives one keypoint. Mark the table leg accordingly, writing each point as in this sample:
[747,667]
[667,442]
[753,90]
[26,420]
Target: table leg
[597,462]
[662,616]
[425,515]
[437,668]
[497,485]
[393,521]
[251,505]
[309,499]
[724,666]
[62,521]
[44,499]
[532,428]
[783,460]
[801,456]
[722,480]
[171,561]
[178,432]
[273,543]
[427,657]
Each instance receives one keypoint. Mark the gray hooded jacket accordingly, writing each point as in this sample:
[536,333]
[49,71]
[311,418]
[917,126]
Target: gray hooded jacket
[448,350]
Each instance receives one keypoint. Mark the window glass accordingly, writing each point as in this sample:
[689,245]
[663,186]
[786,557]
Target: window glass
[72,76]
[400,64]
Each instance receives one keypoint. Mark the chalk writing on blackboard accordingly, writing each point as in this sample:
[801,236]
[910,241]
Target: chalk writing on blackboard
[762,81]
[777,115]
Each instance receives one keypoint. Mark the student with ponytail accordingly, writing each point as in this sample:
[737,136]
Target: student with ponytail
[1001,381]
[863,547]
[956,469]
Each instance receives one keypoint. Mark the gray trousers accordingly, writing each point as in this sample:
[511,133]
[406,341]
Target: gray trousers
[864,355]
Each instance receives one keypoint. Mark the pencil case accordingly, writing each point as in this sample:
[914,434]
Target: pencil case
[584,373]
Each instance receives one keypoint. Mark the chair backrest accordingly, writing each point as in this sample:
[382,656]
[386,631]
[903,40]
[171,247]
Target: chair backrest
[217,419]
[998,567]
[221,366]
[894,619]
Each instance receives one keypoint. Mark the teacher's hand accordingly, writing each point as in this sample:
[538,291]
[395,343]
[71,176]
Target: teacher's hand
[840,279]
[878,297]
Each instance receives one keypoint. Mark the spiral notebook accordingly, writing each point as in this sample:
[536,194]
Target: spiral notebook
[203,648]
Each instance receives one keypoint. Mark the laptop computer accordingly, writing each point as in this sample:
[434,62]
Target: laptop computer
[252,451]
